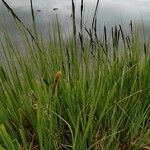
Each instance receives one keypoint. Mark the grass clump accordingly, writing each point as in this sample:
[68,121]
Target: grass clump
[100,98]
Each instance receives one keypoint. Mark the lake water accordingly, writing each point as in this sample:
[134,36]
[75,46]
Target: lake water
[110,12]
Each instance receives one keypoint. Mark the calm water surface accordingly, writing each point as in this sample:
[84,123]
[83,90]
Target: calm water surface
[110,12]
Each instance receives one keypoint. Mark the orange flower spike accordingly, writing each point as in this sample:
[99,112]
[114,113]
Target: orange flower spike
[58,76]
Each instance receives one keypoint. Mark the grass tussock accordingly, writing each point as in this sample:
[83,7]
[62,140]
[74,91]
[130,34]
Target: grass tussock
[99,100]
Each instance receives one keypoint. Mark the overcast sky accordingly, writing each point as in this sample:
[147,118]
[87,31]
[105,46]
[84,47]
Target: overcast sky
[129,7]
[124,5]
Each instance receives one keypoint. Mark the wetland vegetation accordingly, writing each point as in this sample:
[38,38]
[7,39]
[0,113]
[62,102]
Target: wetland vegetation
[86,91]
